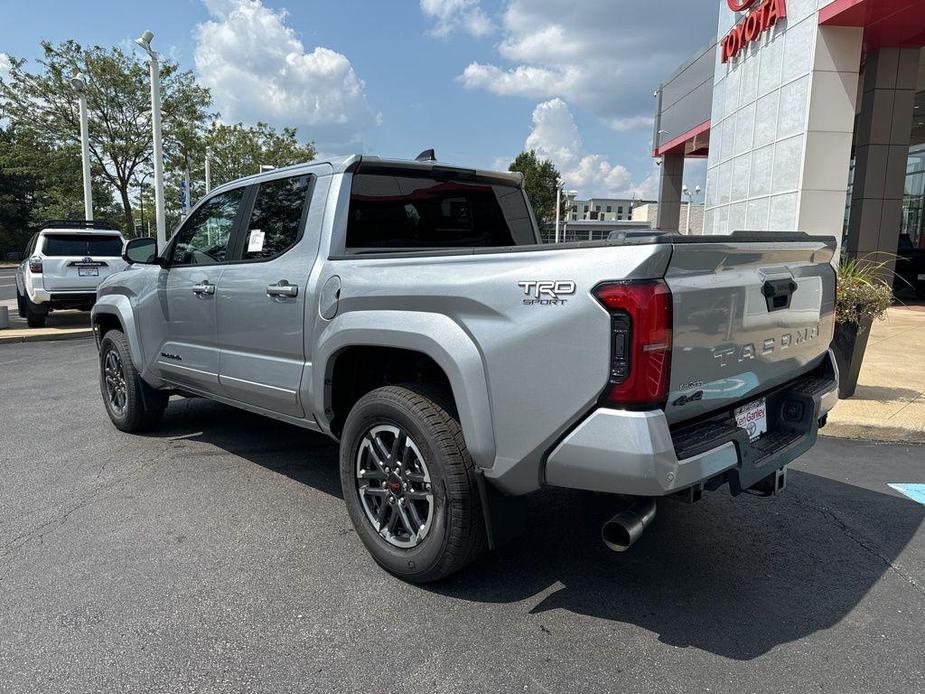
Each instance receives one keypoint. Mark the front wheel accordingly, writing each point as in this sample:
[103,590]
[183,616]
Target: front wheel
[409,485]
[131,404]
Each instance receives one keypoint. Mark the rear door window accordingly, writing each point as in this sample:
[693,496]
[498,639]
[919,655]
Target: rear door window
[276,222]
[82,245]
[418,210]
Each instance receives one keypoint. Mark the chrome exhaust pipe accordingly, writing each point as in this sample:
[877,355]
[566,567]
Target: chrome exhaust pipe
[621,531]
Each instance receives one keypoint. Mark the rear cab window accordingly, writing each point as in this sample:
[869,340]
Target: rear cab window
[58,245]
[406,209]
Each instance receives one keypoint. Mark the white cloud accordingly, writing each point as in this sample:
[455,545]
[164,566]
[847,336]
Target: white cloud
[555,136]
[453,15]
[607,56]
[258,69]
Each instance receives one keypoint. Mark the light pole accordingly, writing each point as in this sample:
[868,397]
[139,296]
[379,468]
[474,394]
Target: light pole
[80,86]
[145,42]
[690,200]
[208,170]
[558,205]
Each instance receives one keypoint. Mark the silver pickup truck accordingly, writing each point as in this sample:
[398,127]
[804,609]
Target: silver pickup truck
[408,310]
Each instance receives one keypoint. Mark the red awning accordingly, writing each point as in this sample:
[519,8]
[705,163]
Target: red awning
[887,23]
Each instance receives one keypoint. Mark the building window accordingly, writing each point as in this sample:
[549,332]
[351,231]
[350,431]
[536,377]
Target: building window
[597,208]
[620,209]
[574,217]
[609,208]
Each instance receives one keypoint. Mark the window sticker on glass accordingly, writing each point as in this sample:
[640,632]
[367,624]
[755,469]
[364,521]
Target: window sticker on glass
[255,241]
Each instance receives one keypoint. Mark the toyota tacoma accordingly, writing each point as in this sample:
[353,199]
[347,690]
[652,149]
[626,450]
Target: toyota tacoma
[408,310]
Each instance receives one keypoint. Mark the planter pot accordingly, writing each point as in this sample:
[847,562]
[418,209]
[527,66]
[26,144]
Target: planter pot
[849,345]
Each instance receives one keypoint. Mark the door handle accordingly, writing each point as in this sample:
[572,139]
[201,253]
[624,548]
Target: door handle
[282,288]
[204,287]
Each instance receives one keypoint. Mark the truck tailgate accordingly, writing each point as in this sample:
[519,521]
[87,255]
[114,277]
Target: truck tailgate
[750,312]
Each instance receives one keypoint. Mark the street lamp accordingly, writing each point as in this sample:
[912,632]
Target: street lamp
[145,42]
[690,200]
[79,84]
[208,170]
[560,186]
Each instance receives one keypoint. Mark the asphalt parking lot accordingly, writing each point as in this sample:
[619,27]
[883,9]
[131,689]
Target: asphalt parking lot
[7,283]
[216,555]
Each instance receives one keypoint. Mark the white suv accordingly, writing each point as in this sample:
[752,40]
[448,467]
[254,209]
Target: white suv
[64,263]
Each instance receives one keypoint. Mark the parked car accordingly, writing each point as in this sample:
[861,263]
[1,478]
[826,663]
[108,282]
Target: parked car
[64,263]
[910,267]
[408,310]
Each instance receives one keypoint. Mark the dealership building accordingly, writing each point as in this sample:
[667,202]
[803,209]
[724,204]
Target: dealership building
[811,117]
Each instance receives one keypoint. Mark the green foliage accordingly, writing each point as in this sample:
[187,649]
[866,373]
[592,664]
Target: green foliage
[862,291]
[44,107]
[40,165]
[239,150]
[540,180]
[39,182]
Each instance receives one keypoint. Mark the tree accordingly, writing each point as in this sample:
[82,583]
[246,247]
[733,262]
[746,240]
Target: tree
[239,150]
[540,180]
[44,104]
[39,182]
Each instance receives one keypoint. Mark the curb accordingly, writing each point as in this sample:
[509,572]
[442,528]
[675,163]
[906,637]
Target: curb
[45,337]
[869,432]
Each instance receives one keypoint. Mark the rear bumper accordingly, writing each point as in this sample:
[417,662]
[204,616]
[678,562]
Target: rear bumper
[64,299]
[638,453]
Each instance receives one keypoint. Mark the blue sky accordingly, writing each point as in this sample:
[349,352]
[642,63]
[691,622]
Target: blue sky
[476,79]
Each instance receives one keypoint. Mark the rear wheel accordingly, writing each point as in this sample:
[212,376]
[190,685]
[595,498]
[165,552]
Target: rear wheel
[35,314]
[131,404]
[409,485]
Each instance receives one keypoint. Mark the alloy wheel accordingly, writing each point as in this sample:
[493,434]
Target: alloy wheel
[394,486]
[114,375]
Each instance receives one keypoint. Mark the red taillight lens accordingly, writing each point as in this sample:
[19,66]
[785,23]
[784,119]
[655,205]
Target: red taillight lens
[35,265]
[640,342]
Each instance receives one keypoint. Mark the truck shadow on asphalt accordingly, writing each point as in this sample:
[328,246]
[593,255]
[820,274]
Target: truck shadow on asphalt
[731,576]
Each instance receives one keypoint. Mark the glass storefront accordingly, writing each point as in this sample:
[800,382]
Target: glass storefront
[913,216]
[914,198]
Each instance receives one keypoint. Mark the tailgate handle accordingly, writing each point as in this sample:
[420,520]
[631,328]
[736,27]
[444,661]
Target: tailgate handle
[777,294]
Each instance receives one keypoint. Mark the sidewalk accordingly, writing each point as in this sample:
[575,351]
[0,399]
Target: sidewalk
[61,325]
[889,404]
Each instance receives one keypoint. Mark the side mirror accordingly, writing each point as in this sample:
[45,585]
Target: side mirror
[143,251]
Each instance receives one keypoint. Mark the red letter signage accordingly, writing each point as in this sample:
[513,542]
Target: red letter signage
[755,23]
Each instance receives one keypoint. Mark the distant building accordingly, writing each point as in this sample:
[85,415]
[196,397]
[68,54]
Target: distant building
[602,209]
[648,213]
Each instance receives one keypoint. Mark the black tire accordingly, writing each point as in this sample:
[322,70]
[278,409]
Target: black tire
[456,532]
[20,305]
[143,406]
[35,316]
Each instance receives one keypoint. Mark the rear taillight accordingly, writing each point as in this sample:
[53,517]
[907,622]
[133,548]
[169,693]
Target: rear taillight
[640,351]
[35,265]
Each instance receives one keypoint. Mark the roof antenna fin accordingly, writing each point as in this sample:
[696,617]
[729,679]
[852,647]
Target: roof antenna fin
[426,155]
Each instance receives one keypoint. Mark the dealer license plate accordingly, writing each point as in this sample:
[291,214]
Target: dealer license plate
[753,417]
[88,272]
[921,277]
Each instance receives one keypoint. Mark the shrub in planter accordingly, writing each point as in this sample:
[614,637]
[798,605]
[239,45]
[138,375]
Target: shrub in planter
[863,296]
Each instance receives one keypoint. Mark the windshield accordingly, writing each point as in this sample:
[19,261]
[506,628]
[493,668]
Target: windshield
[58,245]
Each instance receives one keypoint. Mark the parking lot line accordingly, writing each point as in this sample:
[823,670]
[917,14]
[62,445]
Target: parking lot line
[916,492]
